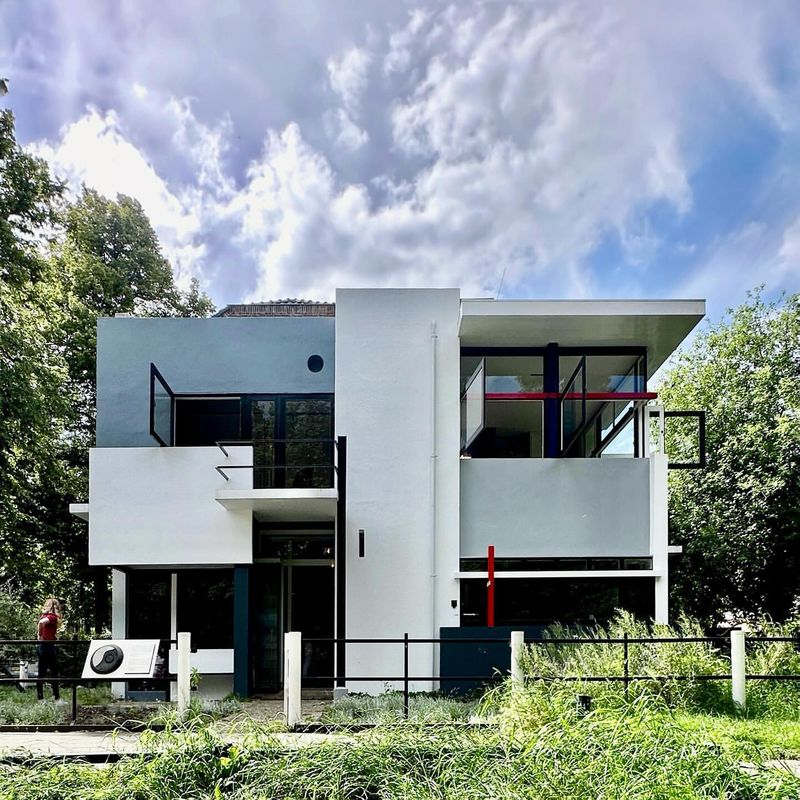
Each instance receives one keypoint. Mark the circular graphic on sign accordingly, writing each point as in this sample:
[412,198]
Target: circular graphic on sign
[106,659]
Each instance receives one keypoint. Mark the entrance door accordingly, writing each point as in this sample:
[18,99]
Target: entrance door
[310,611]
[292,589]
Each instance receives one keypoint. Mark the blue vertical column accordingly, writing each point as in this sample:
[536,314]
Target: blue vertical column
[241,630]
[552,421]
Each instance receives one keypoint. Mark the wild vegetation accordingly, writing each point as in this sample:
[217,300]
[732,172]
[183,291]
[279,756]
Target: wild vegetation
[634,750]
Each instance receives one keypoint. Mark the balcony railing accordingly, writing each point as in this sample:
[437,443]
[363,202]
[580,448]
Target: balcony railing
[287,463]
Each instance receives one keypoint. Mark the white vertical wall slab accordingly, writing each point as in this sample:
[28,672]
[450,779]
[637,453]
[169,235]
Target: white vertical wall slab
[155,506]
[659,532]
[119,627]
[402,484]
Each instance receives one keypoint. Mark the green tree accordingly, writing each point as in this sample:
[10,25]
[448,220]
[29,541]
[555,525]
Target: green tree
[35,403]
[739,519]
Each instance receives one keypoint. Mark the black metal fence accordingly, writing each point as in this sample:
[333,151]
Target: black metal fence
[70,660]
[720,643]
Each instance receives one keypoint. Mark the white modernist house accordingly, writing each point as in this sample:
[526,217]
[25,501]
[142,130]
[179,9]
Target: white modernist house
[342,469]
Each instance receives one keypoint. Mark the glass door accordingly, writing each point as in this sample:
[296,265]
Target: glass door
[308,428]
[266,626]
[264,421]
[309,609]
[292,441]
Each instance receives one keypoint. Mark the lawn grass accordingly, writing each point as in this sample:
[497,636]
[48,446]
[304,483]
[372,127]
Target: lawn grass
[767,737]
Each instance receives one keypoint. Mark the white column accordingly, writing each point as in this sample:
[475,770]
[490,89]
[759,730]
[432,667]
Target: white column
[738,669]
[292,677]
[659,533]
[173,623]
[184,673]
[118,622]
[517,643]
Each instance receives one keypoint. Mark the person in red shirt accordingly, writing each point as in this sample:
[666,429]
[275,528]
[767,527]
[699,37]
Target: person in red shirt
[46,649]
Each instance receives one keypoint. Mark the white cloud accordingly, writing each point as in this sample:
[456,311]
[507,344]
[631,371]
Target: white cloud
[342,130]
[348,74]
[505,137]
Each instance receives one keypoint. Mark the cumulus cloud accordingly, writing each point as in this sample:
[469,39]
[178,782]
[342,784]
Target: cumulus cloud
[342,130]
[502,139]
[347,74]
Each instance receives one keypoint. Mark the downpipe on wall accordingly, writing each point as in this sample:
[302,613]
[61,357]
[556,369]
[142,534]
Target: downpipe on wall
[434,456]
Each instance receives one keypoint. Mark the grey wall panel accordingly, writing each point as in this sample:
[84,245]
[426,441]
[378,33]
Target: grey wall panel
[531,507]
[218,355]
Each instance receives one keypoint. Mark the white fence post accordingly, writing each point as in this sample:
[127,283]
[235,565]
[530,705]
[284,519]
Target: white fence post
[517,643]
[292,677]
[738,669]
[184,673]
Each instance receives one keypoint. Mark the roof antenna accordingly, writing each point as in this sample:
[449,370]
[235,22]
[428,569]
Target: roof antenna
[502,278]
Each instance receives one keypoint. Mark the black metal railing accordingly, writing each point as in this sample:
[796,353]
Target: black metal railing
[626,678]
[14,651]
[278,470]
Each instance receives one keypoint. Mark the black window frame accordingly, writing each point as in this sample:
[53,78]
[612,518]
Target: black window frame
[155,375]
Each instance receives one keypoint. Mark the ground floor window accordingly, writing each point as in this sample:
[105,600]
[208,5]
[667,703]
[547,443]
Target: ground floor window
[148,604]
[205,606]
[545,601]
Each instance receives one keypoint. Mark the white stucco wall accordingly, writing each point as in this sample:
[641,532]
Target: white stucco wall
[156,506]
[384,405]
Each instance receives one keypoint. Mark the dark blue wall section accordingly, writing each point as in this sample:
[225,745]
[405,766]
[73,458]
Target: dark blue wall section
[467,658]
[241,631]
[221,355]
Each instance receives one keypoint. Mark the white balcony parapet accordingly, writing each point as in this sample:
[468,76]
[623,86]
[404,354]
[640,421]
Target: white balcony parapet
[286,505]
[79,510]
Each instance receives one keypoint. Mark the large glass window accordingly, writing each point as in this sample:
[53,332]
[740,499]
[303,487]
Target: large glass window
[205,606]
[147,594]
[544,601]
[292,442]
[504,421]
[309,443]
[264,421]
[201,421]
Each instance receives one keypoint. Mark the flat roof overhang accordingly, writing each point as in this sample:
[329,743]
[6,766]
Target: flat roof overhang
[658,325]
[282,505]
[79,510]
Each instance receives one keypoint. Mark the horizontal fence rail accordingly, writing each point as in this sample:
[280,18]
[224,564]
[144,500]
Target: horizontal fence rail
[734,642]
[24,654]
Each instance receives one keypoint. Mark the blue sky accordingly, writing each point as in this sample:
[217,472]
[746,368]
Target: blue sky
[539,149]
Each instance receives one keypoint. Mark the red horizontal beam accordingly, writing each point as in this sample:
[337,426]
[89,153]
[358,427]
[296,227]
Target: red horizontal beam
[571,395]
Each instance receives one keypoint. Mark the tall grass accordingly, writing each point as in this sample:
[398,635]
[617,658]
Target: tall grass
[388,708]
[630,752]
[658,660]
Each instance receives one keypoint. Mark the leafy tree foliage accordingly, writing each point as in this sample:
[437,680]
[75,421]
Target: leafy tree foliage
[35,410]
[62,265]
[739,519]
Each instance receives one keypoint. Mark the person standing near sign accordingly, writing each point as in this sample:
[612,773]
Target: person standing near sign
[46,649]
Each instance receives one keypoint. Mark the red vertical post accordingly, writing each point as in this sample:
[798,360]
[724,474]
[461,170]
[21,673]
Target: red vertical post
[490,587]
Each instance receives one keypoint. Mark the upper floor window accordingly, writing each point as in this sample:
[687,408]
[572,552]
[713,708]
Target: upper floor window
[537,402]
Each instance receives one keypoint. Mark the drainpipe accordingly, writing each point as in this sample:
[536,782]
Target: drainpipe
[434,338]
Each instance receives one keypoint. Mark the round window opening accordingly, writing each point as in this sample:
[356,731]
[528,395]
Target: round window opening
[315,363]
